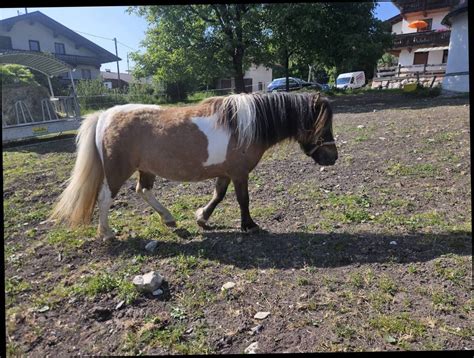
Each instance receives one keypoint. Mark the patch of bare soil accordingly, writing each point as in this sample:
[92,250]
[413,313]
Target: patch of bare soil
[373,253]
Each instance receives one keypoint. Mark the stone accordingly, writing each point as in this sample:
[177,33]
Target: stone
[255,330]
[151,246]
[148,282]
[252,348]
[261,315]
[227,286]
[157,292]
[393,242]
[120,305]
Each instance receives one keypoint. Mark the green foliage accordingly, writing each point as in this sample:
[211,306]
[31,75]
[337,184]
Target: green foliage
[387,60]
[93,95]
[16,74]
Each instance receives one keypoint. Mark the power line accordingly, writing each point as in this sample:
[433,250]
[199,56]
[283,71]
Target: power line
[106,38]
[101,37]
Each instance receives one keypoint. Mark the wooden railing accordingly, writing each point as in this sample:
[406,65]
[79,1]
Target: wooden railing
[426,38]
[410,71]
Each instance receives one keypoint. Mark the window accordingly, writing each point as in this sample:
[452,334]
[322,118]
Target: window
[86,74]
[421,58]
[427,28]
[34,45]
[5,42]
[445,56]
[59,48]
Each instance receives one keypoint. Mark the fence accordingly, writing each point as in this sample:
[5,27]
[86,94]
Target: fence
[396,76]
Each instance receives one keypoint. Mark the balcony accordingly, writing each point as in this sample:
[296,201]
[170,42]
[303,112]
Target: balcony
[425,38]
[72,60]
[75,60]
[408,6]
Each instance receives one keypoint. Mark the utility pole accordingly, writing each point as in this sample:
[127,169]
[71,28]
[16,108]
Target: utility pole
[118,69]
[26,10]
[128,65]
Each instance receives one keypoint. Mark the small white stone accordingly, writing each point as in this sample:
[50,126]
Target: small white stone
[252,348]
[158,292]
[148,282]
[321,169]
[393,242]
[151,246]
[43,309]
[261,315]
[119,305]
[360,126]
[382,138]
[228,286]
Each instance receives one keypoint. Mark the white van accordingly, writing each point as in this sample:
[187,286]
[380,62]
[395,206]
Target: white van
[351,80]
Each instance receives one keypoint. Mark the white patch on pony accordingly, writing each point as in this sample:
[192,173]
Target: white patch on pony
[106,117]
[217,139]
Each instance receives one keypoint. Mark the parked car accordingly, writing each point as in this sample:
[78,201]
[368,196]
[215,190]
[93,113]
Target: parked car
[351,80]
[279,84]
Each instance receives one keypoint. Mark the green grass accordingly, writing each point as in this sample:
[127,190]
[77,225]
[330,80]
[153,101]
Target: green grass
[417,170]
[399,327]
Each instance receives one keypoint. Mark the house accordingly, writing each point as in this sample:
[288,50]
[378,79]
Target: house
[421,42]
[111,79]
[35,32]
[256,78]
[456,78]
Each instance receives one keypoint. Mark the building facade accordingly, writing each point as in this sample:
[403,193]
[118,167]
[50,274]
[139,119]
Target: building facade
[421,46]
[256,78]
[36,32]
[456,78]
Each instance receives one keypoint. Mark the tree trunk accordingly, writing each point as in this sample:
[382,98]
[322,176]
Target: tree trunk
[287,70]
[237,61]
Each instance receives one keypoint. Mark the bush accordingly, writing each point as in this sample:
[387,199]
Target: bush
[16,74]
[144,93]
[93,95]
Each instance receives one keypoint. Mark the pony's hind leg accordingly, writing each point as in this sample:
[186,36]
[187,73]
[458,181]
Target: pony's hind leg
[104,203]
[144,186]
[203,214]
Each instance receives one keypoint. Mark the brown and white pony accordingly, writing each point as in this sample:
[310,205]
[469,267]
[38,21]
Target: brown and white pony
[221,137]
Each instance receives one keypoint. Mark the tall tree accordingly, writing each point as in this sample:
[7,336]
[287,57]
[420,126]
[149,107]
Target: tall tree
[293,30]
[207,39]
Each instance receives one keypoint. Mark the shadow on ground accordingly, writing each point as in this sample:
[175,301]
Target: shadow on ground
[300,249]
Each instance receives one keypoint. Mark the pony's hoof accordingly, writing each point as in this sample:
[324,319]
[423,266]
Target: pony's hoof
[252,230]
[107,236]
[171,223]
[201,221]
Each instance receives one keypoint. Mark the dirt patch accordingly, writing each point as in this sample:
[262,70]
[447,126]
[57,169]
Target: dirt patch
[373,253]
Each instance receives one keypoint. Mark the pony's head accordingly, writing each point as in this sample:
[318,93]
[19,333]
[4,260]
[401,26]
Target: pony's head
[318,141]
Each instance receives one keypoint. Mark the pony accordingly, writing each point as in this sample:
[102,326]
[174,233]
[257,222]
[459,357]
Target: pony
[220,137]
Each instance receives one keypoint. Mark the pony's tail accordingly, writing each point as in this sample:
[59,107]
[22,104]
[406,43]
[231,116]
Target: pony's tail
[76,203]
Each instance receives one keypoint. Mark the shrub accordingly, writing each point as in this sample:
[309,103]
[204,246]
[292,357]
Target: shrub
[16,74]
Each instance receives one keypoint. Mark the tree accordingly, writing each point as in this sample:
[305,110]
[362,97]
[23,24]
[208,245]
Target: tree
[352,38]
[199,43]
[293,30]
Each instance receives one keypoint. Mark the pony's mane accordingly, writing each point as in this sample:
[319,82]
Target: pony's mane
[268,118]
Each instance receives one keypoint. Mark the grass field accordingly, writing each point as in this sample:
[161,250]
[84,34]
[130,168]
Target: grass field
[371,254]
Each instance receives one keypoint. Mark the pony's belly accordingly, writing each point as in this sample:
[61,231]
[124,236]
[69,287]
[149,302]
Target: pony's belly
[198,174]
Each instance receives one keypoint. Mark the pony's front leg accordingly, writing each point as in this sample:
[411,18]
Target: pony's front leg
[104,203]
[242,193]
[203,214]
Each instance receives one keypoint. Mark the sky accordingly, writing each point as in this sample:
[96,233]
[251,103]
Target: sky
[102,23]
